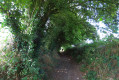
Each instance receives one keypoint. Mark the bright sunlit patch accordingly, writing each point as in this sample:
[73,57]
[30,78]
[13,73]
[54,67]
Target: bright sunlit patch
[72,45]
[116,35]
[101,24]
[1,18]
[5,34]
[102,30]
[61,50]
[89,41]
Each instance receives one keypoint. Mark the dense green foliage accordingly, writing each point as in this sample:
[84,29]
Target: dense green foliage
[43,26]
[100,60]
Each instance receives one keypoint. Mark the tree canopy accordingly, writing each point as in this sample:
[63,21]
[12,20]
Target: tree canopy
[40,26]
[57,21]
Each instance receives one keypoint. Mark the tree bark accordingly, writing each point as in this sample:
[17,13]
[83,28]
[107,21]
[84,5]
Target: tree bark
[40,34]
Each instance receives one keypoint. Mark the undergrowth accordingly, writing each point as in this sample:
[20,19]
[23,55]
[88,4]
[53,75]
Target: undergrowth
[15,65]
[101,60]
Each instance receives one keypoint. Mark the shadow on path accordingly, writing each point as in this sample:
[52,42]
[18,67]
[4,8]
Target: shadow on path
[67,69]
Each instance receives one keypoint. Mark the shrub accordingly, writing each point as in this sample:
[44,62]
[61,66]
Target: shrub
[101,59]
[19,66]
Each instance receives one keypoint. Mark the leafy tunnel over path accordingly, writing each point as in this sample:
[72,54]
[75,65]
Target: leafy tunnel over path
[41,26]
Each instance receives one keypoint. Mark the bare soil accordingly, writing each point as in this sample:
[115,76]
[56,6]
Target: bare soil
[67,69]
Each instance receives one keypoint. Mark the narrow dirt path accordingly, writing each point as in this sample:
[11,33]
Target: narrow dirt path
[67,69]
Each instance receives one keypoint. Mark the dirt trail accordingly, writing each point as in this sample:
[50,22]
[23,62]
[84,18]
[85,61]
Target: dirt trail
[67,69]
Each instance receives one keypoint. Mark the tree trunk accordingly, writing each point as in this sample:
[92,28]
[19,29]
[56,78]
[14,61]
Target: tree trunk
[40,34]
